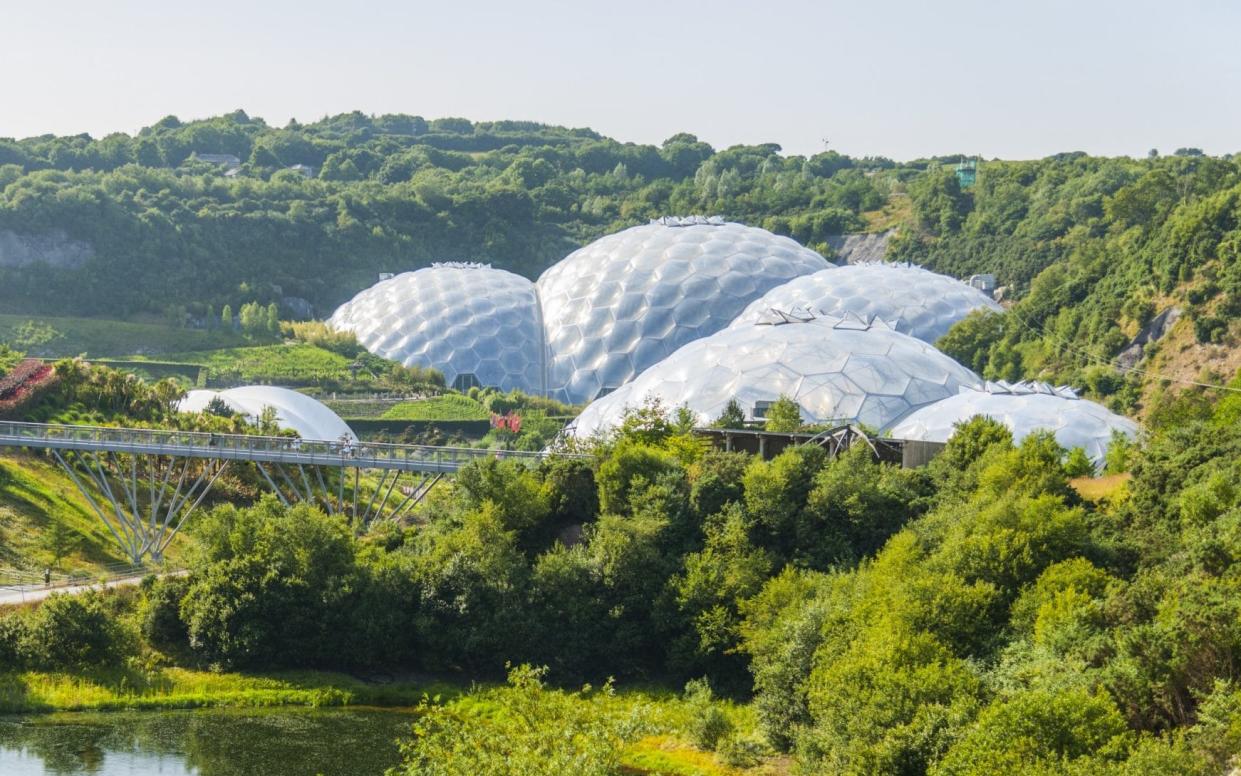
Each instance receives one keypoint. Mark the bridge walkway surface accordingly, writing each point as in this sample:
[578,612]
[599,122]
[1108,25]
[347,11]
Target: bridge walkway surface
[290,451]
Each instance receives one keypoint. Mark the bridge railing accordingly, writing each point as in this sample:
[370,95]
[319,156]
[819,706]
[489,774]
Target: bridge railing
[344,452]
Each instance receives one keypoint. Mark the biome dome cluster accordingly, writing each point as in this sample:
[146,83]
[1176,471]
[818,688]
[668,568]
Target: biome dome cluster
[592,322]
[698,311]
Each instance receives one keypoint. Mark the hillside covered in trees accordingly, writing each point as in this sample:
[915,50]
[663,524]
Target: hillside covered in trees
[182,219]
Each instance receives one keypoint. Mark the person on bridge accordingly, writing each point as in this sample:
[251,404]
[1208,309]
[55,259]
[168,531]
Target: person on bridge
[47,577]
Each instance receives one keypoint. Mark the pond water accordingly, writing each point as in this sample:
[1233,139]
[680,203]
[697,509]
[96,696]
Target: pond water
[215,742]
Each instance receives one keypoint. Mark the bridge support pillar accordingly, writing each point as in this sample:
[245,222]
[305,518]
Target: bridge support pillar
[142,520]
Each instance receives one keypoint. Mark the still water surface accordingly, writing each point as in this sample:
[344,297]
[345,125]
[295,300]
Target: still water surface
[216,742]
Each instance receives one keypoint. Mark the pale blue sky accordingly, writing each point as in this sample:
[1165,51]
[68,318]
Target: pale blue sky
[901,79]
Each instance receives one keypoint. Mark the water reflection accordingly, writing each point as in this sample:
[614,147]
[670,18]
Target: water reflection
[276,742]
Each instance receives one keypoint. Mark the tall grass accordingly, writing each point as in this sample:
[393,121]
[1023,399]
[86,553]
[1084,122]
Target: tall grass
[180,688]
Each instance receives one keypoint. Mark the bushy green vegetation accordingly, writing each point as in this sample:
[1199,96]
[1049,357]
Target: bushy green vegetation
[387,193]
[975,616]
[1094,248]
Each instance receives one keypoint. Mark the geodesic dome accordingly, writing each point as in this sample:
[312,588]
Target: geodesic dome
[626,301]
[839,370]
[310,418]
[1023,408]
[916,301]
[476,324]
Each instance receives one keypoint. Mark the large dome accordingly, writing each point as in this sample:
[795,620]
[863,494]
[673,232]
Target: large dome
[839,370]
[916,301]
[1023,408]
[626,301]
[295,411]
[477,325]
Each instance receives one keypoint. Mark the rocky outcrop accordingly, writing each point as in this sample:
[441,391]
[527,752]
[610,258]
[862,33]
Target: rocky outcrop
[857,248]
[297,308]
[1151,332]
[54,248]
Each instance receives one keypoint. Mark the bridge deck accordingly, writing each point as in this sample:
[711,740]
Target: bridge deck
[241,447]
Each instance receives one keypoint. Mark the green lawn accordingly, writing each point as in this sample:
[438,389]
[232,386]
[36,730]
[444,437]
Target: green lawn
[58,337]
[295,364]
[446,407]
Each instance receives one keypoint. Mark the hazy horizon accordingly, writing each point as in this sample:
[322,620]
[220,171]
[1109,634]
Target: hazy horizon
[899,79]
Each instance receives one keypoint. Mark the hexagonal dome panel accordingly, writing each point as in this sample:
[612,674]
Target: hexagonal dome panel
[689,277]
[839,370]
[1023,408]
[916,301]
[476,324]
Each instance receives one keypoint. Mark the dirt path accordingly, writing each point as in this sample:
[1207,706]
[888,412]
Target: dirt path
[25,594]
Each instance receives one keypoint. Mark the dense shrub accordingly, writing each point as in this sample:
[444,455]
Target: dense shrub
[72,632]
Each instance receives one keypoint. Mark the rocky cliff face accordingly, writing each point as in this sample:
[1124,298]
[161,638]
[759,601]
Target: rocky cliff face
[857,248]
[54,248]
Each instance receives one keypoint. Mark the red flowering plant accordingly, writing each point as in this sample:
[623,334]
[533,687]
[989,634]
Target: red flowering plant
[509,423]
[23,383]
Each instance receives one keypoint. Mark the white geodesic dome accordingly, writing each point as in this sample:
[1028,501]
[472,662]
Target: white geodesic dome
[1023,408]
[838,370]
[476,324]
[916,301]
[626,301]
[298,412]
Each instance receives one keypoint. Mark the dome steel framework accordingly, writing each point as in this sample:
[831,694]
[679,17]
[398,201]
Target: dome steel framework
[476,324]
[623,303]
[916,301]
[838,370]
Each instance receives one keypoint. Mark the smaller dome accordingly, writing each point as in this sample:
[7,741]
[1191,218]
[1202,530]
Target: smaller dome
[1024,408]
[838,370]
[476,324]
[310,418]
[915,301]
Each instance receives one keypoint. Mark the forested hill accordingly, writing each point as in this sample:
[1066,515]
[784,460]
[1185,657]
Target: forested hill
[167,223]
[159,220]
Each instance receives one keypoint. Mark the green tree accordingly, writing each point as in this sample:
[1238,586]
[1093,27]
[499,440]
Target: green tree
[1040,732]
[273,586]
[58,541]
[732,416]
[783,416]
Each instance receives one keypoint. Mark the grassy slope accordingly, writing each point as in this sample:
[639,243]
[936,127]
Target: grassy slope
[57,337]
[35,494]
[290,363]
[446,407]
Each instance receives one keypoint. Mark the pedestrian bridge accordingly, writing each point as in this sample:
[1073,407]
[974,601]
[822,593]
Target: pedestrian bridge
[144,483]
[288,451]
